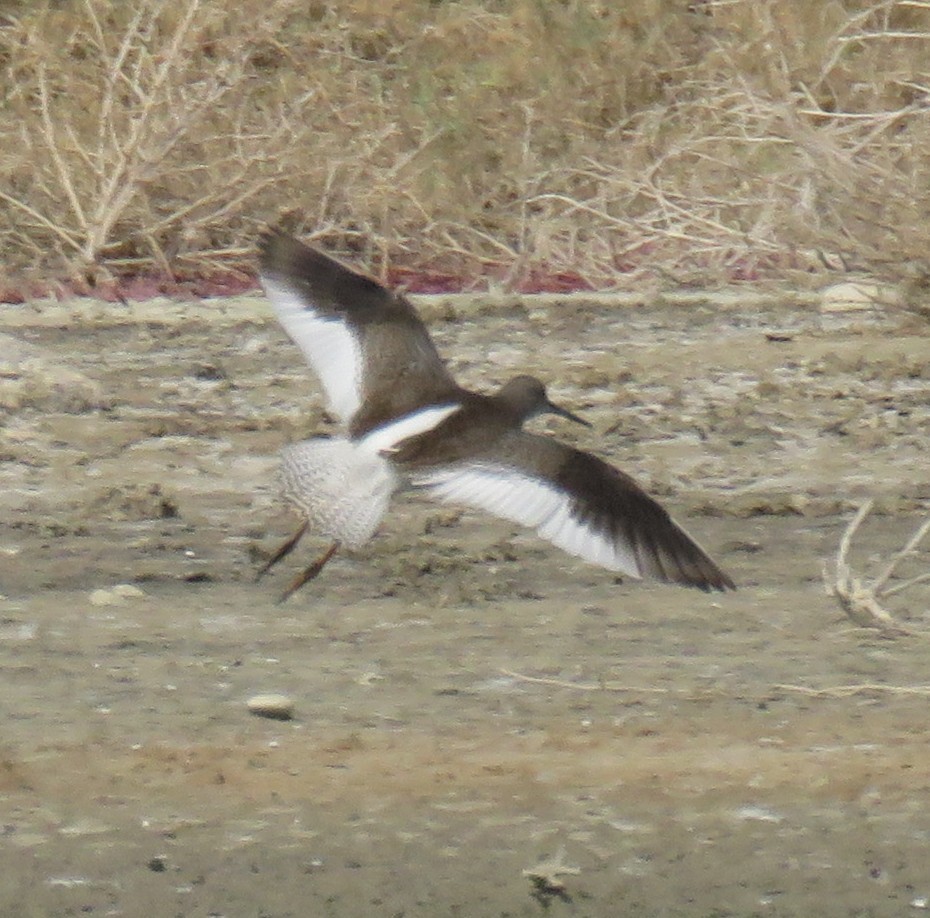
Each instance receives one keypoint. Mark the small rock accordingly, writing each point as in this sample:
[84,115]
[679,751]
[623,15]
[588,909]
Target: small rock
[116,596]
[128,591]
[278,707]
[851,296]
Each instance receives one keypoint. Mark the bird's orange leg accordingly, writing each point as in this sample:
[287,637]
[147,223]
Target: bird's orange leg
[282,552]
[310,572]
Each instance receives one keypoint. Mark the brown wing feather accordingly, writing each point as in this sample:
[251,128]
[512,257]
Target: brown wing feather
[402,369]
[611,503]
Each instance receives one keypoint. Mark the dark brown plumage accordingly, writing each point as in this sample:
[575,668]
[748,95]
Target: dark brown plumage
[401,407]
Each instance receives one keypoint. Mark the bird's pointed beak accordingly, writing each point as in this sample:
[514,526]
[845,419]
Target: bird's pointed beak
[565,413]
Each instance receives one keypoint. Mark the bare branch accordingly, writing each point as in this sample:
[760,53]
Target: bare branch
[859,599]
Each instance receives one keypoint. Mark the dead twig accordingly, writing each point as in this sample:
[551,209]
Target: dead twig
[864,688]
[859,599]
[584,686]
[546,876]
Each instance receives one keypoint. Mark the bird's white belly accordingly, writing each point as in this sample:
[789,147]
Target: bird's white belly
[342,490]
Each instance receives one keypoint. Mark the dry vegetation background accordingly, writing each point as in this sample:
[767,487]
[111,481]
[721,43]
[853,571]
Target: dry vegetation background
[532,143]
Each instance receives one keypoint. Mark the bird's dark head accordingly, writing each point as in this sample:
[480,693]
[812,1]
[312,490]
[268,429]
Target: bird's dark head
[526,397]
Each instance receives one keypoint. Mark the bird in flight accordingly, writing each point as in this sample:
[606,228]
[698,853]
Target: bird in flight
[407,422]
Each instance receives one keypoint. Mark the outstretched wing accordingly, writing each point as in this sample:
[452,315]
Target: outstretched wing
[368,346]
[579,503]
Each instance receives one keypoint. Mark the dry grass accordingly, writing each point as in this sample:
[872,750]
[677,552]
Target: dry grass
[616,143]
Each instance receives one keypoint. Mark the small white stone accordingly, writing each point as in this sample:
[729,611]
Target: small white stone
[852,296]
[279,707]
[102,598]
[116,596]
[128,591]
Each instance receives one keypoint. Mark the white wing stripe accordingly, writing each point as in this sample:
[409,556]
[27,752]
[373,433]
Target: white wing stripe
[329,345]
[510,494]
[387,436]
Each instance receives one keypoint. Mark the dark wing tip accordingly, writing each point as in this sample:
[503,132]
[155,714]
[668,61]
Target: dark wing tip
[614,503]
[331,284]
[722,582]
[274,248]
[711,578]
[667,553]
[676,558]
[284,256]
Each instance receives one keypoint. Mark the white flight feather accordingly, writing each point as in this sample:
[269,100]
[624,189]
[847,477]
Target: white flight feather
[329,345]
[513,495]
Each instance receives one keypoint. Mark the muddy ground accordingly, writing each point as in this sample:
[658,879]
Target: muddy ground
[469,702]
